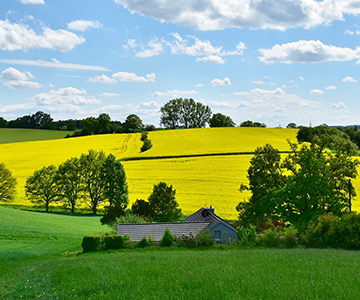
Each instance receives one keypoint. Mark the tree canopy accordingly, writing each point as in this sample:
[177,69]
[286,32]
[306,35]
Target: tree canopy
[133,122]
[184,112]
[220,120]
[305,184]
[249,123]
[7,184]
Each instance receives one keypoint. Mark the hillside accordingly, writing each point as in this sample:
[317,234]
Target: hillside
[15,135]
[198,180]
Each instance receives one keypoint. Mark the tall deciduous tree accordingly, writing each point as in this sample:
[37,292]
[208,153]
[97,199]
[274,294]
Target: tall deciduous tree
[170,113]
[41,187]
[70,182]
[220,120]
[7,184]
[307,183]
[133,122]
[164,204]
[91,167]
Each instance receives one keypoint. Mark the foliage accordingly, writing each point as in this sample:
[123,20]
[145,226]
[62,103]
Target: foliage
[246,235]
[39,120]
[277,238]
[7,184]
[41,187]
[114,242]
[333,231]
[309,182]
[144,242]
[168,239]
[143,209]
[144,135]
[164,204]
[146,145]
[111,213]
[205,239]
[291,125]
[105,241]
[249,123]
[133,122]
[92,243]
[3,123]
[220,120]
[185,112]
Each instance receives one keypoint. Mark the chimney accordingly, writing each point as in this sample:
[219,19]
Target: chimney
[211,210]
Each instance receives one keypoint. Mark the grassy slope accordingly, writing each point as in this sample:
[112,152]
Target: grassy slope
[8,135]
[36,263]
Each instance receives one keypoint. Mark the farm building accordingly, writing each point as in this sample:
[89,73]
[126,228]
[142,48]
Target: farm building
[204,219]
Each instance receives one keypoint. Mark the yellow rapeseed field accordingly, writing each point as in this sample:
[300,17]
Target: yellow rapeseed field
[198,181]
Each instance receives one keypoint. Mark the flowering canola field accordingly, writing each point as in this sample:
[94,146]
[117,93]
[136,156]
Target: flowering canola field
[198,181]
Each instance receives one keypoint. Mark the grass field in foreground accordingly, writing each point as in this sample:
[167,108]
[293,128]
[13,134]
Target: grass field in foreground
[37,263]
[16,135]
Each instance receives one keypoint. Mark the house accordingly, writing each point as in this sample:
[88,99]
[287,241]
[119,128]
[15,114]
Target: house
[202,220]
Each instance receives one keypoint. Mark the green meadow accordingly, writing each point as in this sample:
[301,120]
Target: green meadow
[40,258]
[15,135]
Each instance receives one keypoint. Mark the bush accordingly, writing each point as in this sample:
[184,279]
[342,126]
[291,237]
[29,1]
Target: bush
[146,145]
[188,241]
[92,243]
[246,235]
[168,239]
[349,231]
[278,238]
[144,136]
[114,242]
[145,242]
[204,239]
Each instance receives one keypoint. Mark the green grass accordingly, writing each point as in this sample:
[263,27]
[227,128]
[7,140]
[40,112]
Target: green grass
[10,135]
[39,258]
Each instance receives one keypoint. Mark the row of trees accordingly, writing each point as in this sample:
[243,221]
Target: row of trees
[91,179]
[299,188]
[7,184]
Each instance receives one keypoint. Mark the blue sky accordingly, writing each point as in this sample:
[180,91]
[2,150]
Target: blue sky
[272,61]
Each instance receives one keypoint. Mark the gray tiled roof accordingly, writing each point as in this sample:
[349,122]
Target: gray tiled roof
[137,231]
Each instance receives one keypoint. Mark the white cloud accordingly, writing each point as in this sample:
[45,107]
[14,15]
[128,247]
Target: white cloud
[154,48]
[14,74]
[260,82]
[261,92]
[219,82]
[199,85]
[349,79]
[174,93]
[103,79]
[302,78]
[316,92]
[132,77]
[21,37]
[32,1]
[82,25]
[307,52]
[212,59]
[65,96]
[53,64]
[331,87]
[260,14]
[339,105]
[22,85]
[149,105]
[109,95]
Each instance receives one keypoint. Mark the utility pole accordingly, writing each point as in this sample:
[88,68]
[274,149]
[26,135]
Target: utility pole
[350,187]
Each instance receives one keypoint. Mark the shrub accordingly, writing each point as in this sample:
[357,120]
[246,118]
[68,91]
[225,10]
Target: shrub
[278,238]
[144,136]
[246,235]
[204,239]
[146,145]
[92,243]
[168,239]
[349,231]
[188,241]
[115,242]
[145,242]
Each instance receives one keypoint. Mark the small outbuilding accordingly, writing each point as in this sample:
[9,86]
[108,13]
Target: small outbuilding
[204,220]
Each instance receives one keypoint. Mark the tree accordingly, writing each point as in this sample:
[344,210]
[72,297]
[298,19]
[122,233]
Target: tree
[200,116]
[249,123]
[143,209]
[307,183]
[291,125]
[104,122]
[170,113]
[42,187]
[91,167]
[164,204]
[7,184]
[90,125]
[70,182]
[220,120]
[3,123]
[133,122]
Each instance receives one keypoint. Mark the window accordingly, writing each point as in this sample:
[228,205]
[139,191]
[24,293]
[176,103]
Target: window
[217,235]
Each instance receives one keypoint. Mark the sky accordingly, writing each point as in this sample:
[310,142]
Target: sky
[270,61]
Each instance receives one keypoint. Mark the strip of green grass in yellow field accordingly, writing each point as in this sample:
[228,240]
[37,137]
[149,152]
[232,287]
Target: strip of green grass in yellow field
[15,135]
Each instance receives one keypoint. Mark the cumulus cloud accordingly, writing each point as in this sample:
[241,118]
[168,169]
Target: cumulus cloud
[132,77]
[174,93]
[102,79]
[331,87]
[316,92]
[212,59]
[27,38]
[154,48]
[22,85]
[32,1]
[219,82]
[260,82]
[349,79]
[109,95]
[14,74]
[82,25]
[340,105]
[261,92]
[307,52]
[65,96]
[260,14]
